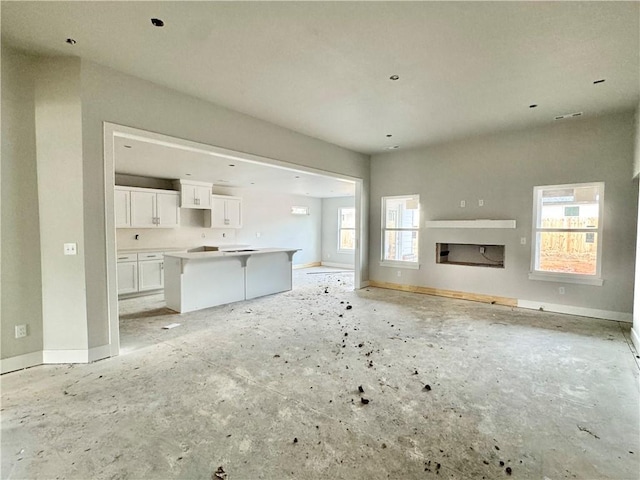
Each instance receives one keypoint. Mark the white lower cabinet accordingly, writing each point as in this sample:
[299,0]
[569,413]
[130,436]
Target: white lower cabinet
[140,272]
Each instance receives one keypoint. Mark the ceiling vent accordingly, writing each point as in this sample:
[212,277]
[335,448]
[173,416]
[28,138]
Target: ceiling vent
[568,115]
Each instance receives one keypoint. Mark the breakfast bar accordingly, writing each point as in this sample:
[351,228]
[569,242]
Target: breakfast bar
[209,276]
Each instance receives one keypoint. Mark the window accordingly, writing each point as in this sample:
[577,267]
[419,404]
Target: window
[346,229]
[400,224]
[567,233]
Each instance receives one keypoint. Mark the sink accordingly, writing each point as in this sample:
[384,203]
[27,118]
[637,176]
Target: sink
[204,248]
[240,251]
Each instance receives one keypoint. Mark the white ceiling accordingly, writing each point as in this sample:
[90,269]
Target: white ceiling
[323,68]
[137,156]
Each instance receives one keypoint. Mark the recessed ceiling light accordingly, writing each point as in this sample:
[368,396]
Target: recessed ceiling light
[599,81]
[297,176]
[188,174]
[71,41]
[253,183]
[394,147]
[394,77]
[533,105]
[156,22]
[389,135]
[127,146]
[231,165]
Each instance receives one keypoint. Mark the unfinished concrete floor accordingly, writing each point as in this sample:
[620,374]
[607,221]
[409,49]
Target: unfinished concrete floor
[268,389]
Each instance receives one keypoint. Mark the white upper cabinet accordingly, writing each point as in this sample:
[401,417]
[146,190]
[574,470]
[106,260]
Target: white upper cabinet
[194,194]
[226,212]
[122,200]
[146,208]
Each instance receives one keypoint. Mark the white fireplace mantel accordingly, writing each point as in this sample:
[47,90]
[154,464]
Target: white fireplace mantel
[479,223]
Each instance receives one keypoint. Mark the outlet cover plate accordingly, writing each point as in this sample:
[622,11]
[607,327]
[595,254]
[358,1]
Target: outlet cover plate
[21,331]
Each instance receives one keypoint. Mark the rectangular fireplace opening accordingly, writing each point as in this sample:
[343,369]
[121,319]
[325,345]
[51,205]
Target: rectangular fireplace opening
[470,254]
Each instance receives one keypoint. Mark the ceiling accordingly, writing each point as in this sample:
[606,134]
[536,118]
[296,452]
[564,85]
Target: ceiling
[137,156]
[324,68]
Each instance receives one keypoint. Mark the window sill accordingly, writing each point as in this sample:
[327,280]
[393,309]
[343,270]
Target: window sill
[409,265]
[351,251]
[564,278]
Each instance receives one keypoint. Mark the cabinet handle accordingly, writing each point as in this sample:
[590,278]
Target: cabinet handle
[122,258]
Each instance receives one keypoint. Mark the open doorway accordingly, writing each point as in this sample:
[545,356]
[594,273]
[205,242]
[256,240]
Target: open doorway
[268,188]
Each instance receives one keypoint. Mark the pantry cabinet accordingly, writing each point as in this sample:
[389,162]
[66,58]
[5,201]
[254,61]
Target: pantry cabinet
[226,212]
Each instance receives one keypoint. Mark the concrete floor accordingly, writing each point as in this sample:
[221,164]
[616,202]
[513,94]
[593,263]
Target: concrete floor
[268,389]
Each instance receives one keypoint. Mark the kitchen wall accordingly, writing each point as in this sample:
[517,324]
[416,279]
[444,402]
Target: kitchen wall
[330,254]
[502,169]
[20,265]
[266,216]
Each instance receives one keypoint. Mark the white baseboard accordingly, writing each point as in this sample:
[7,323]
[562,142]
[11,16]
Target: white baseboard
[19,362]
[65,356]
[338,265]
[98,353]
[306,265]
[579,311]
[635,339]
[364,284]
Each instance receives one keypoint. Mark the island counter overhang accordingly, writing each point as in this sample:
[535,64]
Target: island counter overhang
[197,280]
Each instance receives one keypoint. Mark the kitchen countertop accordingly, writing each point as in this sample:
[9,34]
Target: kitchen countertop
[219,254]
[147,250]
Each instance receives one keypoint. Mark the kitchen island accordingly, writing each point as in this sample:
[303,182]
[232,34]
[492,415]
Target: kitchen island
[209,276]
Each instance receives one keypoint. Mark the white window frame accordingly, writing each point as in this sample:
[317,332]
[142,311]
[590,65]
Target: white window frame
[577,278]
[341,228]
[399,263]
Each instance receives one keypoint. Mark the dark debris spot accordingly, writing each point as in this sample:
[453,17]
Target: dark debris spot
[501,463]
[364,401]
[508,470]
[295,440]
[427,387]
[349,307]
[360,389]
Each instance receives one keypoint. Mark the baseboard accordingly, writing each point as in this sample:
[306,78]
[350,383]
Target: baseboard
[65,356]
[635,339]
[475,297]
[307,265]
[364,284]
[579,311]
[19,362]
[338,265]
[98,353]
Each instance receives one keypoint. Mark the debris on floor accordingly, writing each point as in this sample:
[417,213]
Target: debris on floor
[427,387]
[585,429]
[219,474]
[364,401]
[170,326]
[360,389]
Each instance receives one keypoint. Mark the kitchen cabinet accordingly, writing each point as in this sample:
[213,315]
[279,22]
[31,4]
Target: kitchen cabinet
[140,272]
[150,208]
[226,212]
[127,273]
[194,194]
[122,201]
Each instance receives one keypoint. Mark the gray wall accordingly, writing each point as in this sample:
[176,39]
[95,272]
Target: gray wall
[330,252]
[21,295]
[502,169]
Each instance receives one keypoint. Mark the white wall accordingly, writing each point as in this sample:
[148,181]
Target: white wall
[502,169]
[21,295]
[330,208]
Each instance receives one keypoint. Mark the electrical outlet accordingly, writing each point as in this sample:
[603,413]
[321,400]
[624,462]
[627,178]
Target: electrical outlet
[21,331]
[481,249]
[523,240]
[258,234]
[399,273]
[481,203]
[463,204]
[561,290]
[224,235]
[70,248]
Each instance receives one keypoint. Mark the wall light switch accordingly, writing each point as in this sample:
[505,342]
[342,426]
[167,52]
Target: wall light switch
[481,203]
[463,204]
[399,273]
[561,290]
[70,248]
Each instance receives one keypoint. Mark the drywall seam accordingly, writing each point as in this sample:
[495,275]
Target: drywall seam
[19,362]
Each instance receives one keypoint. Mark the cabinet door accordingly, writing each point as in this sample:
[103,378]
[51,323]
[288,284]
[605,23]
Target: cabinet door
[234,213]
[168,210]
[127,277]
[188,196]
[122,201]
[143,209]
[150,275]
[217,217]
[204,197]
